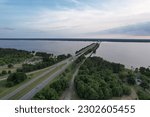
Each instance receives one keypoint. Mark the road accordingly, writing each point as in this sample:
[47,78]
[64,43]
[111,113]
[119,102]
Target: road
[39,87]
[32,80]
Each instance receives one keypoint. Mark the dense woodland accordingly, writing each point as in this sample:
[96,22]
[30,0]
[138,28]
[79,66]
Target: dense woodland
[98,79]
[12,56]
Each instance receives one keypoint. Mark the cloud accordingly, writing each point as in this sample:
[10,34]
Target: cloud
[85,17]
[142,29]
[7,29]
[75,1]
[89,19]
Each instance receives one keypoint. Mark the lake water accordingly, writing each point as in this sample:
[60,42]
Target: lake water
[129,54]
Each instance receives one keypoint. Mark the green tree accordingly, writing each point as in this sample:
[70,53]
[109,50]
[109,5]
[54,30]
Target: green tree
[126,90]
[50,94]
[16,78]
[4,72]
[145,85]
[123,75]
[10,66]
[117,91]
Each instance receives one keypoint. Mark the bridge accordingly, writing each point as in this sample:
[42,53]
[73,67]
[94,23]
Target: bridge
[80,39]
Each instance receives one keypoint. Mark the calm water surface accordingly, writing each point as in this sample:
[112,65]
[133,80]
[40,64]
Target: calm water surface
[130,54]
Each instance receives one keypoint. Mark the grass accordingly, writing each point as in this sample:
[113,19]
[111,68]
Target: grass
[34,84]
[37,73]
[5,90]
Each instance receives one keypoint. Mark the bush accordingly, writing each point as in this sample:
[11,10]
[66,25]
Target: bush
[131,80]
[9,72]
[4,72]
[126,90]
[16,78]
[10,66]
[9,84]
[47,94]
[143,95]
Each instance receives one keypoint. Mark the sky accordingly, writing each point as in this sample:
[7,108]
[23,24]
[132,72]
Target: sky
[75,18]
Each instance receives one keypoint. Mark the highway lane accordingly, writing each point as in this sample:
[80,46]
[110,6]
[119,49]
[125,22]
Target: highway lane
[32,80]
[39,87]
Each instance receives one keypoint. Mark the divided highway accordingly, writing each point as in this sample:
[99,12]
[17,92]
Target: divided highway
[29,95]
[31,81]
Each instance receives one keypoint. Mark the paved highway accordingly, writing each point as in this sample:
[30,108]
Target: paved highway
[32,80]
[39,87]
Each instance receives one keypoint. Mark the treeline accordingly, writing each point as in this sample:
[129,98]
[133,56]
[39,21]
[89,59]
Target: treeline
[99,79]
[12,56]
[47,61]
[43,54]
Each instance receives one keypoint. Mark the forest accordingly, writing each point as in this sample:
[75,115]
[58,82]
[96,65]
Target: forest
[99,79]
